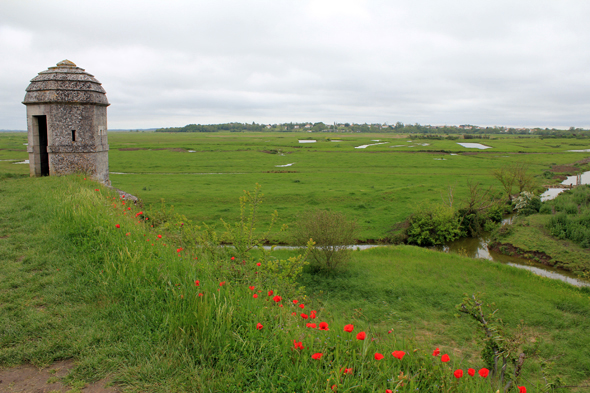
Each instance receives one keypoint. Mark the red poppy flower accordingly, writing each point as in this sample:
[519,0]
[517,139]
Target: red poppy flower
[378,356]
[361,336]
[311,325]
[200,294]
[445,358]
[159,236]
[251,288]
[221,283]
[301,306]
[458,373]
[128,233]
[324,326]
[317,356]
[304,316]
[277,298]
[117,226]
[232,258]
[298,345]
[388,391]
[270,292]
[96,189]
[398,354]
[471,372]
[348,328]
[436,352]
[197,283]
[258,264]
[521,389]
[259,326]
[312,314]
[294,313]
[334,387]
[295,301]
[484,372]
[255,296]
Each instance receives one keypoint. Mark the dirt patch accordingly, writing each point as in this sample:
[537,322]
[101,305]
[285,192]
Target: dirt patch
[509,249]
[584,161]
[30,379]
[564,169]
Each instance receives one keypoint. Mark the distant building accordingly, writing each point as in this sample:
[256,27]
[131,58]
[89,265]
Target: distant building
[67,123]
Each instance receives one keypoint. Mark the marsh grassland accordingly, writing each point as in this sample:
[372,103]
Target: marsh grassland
[84,276]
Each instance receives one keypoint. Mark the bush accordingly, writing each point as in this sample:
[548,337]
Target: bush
[433,224]
[332,233]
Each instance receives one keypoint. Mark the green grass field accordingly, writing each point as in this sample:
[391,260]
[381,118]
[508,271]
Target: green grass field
[121,302]
[378,186]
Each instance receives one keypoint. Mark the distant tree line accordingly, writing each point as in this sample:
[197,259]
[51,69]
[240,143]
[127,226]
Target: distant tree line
[468,131]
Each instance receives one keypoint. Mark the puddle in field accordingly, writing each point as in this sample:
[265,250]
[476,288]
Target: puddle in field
[307,141]
[372,144]
[474,146]
[192,151]
[580,151]
[282,166]
[552,193]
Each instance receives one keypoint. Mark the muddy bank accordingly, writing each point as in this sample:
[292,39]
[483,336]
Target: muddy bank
[511,250]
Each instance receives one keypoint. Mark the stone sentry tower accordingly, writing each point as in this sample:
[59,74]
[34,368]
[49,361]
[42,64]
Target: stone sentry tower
[67,123]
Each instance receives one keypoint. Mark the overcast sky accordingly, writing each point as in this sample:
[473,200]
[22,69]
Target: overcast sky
[171,63]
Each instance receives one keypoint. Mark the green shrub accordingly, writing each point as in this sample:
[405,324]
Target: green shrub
[331,232]
[433,224]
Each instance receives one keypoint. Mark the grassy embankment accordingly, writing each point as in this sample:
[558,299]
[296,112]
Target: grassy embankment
[378,186]
[74,285]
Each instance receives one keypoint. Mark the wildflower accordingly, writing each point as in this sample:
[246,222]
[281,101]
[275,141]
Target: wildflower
[232,258]
[255,296]
[361,336]
[298,345]
[324,326]
[182,296]
[270,292]
[398,354]
[96,189]
[258,264]
[159,236]
[200,294]
[471,372]
[484,372]
[251,288]
[348,328]
[458,373]
[277,298]
[294,313]
[295,301]
[436,352]
[312,314]
[197,283]
[445,358]
[311,325]
[117,226]
[304,316]
[521,389]
[378,356]
[221,283]
[259,326]
[389,332]
[128,233]
[301,306]
[334,387]
[388,391]
[317,356]
[347,371]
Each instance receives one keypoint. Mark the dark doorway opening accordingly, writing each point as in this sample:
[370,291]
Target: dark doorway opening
[43,156]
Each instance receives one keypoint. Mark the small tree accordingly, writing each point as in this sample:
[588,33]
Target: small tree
[332,233]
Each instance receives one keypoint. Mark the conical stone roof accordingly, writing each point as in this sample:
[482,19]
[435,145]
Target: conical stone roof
[65,83]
